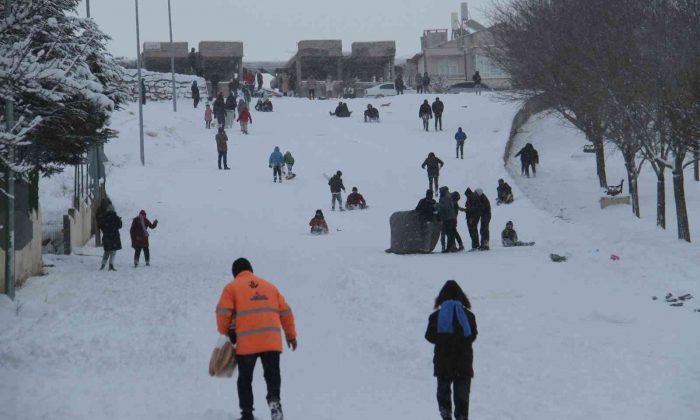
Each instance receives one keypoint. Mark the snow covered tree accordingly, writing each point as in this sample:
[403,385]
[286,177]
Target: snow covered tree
[55,69]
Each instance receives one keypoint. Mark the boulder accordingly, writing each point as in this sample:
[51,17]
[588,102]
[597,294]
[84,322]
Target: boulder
[411,235]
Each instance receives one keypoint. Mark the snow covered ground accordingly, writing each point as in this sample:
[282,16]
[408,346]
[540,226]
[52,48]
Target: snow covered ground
[576,340]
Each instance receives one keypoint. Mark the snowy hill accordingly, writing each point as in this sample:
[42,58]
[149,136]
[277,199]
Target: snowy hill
[576,340]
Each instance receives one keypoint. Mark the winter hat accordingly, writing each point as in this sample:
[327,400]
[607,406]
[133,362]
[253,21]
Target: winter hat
[319,213]
[339,173]
[354,189]
[429,193]
[459,129]
[509,223]
[431,154]
[500,181]
[479,191]
[240,265]
[142,213]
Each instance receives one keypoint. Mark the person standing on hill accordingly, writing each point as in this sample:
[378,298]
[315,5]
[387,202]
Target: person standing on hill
[244,118]
[473,216]
[195,93]
[484,208]
[336,184]
[230,108]
[426,83]
[192,60]
[222,147]
[276,162]
[452,329]
[253,314]
[220,110]
[528,158]
[460,137]
[399,84]
[448,215]
[311,87]
[208,116]
[259,79]
[455,201]
[433,165]
[476,78]
[139,237]
[109,223]
[425,113]
[438,107]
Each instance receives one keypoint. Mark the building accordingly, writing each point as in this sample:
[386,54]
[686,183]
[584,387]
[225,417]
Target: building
[156,57]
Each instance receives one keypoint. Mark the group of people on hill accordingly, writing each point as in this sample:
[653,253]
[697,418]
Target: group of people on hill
[354,201]
[426,112]
[277,161]
[224,111]
[110,223]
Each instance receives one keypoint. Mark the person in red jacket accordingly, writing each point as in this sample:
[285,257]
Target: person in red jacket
[355,200]
[253,314]
[318,224]
[245,118]
[139,237]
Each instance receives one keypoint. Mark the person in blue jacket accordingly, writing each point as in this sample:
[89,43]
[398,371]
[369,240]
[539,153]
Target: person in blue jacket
[460,137]
[276,163]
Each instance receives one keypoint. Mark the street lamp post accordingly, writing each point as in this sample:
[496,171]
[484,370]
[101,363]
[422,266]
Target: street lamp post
[172,57]
[140,82]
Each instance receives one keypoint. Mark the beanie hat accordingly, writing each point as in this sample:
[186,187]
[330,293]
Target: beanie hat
[339,173]
[240,265]
[354,189]
[142,213]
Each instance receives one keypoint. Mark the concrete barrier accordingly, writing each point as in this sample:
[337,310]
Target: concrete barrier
[80,225]
[615,201]
[28,260]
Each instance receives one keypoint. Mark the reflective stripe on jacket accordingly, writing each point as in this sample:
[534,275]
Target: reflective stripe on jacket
[257,312]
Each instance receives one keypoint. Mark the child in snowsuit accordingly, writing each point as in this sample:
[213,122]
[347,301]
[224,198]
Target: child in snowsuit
[504,193]
[336,184]
[289,161]
[318,224]
[355,200]
[509,237]
[276,162]
[208,114]
[460,137]
[244,118]
[139,237]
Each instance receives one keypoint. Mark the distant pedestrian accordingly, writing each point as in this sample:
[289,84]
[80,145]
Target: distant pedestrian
[433,165]
[476,78]
[289,161]
[276,162]
[245,118]
[311,87]
[109,223]
[222,147]
[484,209]
[336,184]
[438,108]
[329,88]
[460,137]
[452,329]
[285,84]
[208,114]
[195,93]
[192,59]
[425,113]
[259,79]
[139,237]
[426,83]
[528,159]
[220,110]
[418,83]
[230,107]
[143,92]
[399,85]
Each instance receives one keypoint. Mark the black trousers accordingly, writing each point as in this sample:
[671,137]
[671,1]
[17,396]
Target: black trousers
[473,226]
[525,167]
[271,371]
[449,228]
[433,179]
[484,230]
[460,149]
[146,254]
[277,171]
[195,100]
[462,388]
[222,156]
[438,118]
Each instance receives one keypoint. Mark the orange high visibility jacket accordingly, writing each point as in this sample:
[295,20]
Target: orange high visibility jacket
[256,310]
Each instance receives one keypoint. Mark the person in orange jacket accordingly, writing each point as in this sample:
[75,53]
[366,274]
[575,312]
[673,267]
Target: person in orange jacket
[253,313]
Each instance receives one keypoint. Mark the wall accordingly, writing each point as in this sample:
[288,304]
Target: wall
[80,225]
[28,260]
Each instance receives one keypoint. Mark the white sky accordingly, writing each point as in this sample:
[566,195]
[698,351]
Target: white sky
[270,29]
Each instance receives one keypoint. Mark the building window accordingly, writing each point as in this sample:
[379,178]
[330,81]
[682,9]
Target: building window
[448,67]
[488,70]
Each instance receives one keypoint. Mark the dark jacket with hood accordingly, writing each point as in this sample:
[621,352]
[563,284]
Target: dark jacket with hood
[336,184]
[433,164]
[109,223]
[425,110]
[453,356]
[438,107]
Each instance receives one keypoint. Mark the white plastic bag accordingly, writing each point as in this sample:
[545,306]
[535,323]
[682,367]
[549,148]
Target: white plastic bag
[223,358]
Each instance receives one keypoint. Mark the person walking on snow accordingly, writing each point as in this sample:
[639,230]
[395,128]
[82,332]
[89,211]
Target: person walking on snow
[222,147]
[230,108]
[289,161]
[276,162]
[438,107]
[426,83]
[208,115]
[259,79]
[220,110]
[460,137]
[452,329]
[318,224]
[484,209]
[244,118]
[311,87]
[253,314]
[476,78]
[195,93]
[433,165]
[528,157]
[425,113]
[109,223]
[139,237]
[336,184]
[448,215]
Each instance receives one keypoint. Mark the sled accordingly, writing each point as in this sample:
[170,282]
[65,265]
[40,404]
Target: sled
[290,175]
[386,104]
[223,359]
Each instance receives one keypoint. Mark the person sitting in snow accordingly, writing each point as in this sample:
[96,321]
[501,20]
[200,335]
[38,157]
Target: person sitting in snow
[341,111]
[509,237]
[504,193]
[318,224]
[289,161]
[276,162]
[371,114]
[264,105]
[139,237]
[355,200]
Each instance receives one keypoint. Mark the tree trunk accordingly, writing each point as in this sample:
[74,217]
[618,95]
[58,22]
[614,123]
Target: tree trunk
[632,177]
[679,194]
[600,160]
[661,198]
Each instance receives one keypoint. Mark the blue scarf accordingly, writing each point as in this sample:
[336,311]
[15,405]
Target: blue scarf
[448,309]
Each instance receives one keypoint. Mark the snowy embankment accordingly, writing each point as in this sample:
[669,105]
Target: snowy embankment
[575,340]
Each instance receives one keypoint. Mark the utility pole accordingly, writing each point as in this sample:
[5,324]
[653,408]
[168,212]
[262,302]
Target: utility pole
[10,195]
[87,7]
[172,58]
[140,82]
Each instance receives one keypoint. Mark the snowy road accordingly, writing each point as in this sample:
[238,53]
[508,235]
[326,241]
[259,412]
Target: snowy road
[578,340]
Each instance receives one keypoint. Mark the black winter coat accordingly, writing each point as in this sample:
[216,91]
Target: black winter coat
[504,191]
[438,107]
[425,109]
[427,208]
[336,184]
[528,154]
[230,103]
[109,223]
[433,164]
[484,206]
[454,356]
[219,107]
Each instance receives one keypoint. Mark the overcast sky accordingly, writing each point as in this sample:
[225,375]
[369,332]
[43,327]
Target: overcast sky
[270,29]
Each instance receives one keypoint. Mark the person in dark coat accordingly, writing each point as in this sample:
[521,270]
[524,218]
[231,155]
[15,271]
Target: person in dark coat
[336,184]
[109,223]
[472,213]
[192,59]
[222,147]
[452,329]
[139,237]
[426,83]
[399,85]
[220,109]
[230,109]
[528,158]
[458,237]
[460,137]
[433,165]
[448,216]
[438,107]
[427,207]
[371,113]
[476,78]
[143,92]
[195,93]
[484,209]
[425,113]
[259,79]
[504,193]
